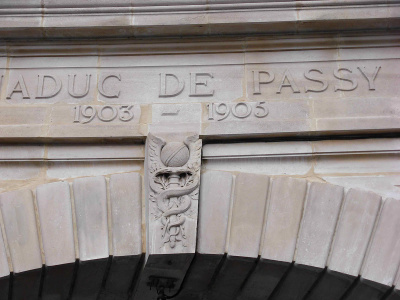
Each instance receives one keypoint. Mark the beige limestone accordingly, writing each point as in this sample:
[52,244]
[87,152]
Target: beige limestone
[18,213]
[214,206]
[284,212]
[323,204]
[4,267]
[250,198]
[90,197]
[126,213]
[356,223]
[55,215]
[383,257]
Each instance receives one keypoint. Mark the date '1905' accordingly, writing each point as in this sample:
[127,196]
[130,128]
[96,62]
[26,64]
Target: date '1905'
[86,113]
[240,110]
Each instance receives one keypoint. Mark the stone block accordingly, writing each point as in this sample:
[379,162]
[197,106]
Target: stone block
[250,198]
[17,170]
[21,152]
[354,231]
[214,206]
[18,213]
[323,204]
[299,165]
[126,214]
[383,257]
[355,164]
[55,214]
[284,213]
[4,267]
[100,151]
[90,196]
[259,149]
[71,169]
[19,218]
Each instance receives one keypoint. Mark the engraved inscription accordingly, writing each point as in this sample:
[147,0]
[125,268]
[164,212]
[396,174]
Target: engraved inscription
[84,114]
[200,85]
[316,80]
[240,110]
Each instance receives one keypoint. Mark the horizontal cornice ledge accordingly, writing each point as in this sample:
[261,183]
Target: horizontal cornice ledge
[129,18]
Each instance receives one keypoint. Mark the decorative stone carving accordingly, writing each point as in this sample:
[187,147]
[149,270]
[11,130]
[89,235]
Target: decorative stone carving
[173,179]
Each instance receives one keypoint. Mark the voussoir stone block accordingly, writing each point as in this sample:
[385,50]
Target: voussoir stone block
[18,213]
[90,196]
[214,205]
[55,214]
[250,198]
[383,257]
[354,231]
[284,214]
[318,225]
[126,212]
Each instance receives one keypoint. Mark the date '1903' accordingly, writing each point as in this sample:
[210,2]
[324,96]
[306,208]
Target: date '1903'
[240,110]
[86,113]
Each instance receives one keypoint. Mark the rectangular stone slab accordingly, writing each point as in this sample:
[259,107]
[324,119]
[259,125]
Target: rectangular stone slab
[318,225]
[90,195]
[55,214]
[264,279]
[354,231]
[284,212]
[383,257]
[214,205]
[230,278]
[250,198]
[331,286]
[20,225]
[126,214]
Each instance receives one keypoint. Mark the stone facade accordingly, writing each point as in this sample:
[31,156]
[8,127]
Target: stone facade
[199,149]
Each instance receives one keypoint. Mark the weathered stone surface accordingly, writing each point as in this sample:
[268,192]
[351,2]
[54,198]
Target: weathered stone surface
[4,268]
[318,225]
[283,218]
[18,213]
[126,212]
[20,225]
[90,196]
[383,257]
[215,199]
[250,198]
[55,214]
[354,230]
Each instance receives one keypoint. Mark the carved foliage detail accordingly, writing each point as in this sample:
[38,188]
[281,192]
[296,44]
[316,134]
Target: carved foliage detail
[174,178]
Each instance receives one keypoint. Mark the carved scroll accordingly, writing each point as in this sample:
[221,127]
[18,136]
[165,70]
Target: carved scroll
[173,174]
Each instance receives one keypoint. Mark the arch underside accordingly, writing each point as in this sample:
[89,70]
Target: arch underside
[258,238]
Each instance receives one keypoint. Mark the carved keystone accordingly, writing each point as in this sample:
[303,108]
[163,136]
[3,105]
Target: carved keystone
[172,190]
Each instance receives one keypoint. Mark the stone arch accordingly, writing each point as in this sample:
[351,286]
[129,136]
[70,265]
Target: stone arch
[258,238]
